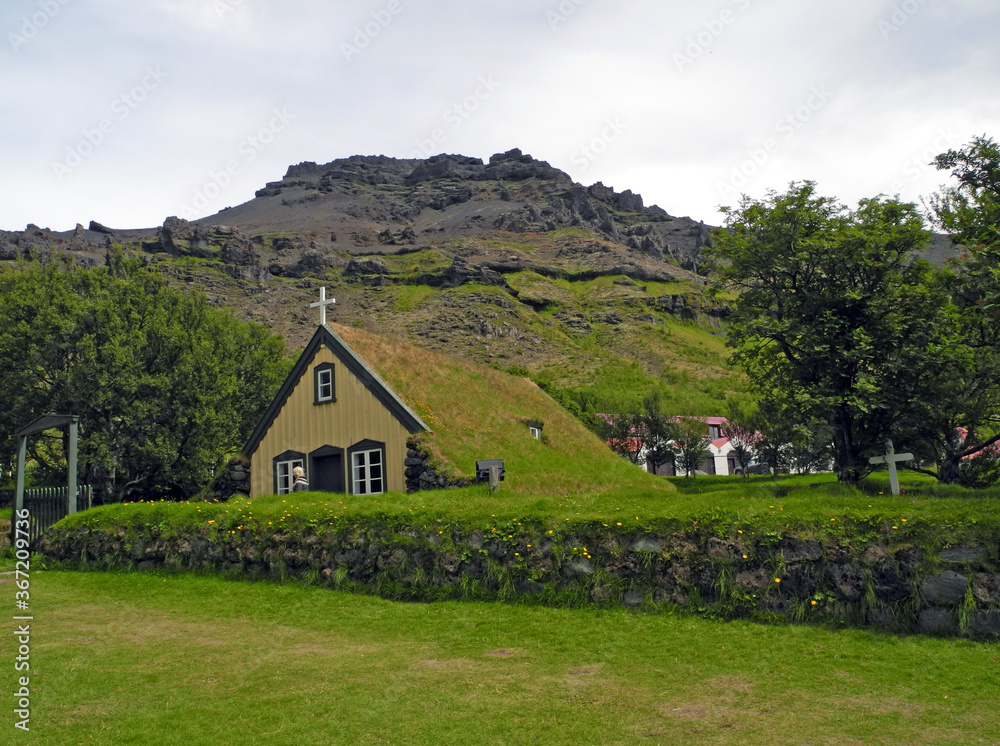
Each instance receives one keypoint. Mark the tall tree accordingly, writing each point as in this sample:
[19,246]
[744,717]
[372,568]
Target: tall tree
[622,433]
[969,211]
[833,317]
[165,386]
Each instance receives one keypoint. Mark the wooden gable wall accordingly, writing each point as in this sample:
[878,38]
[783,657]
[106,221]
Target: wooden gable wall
[303,426]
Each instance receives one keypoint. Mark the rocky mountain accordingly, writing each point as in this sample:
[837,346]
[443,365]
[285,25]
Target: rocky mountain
[509,262]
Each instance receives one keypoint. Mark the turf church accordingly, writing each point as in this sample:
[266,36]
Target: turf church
[337,419]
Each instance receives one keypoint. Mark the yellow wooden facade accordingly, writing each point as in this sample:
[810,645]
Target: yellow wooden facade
[365,410]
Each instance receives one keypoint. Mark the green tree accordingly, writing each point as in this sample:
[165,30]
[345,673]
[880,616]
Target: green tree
[691,445]
[969,211]
[658,430]
[742,433]
[833,319]
[775,424]
[642,434]
[165,386]
[809,447]
[621,432]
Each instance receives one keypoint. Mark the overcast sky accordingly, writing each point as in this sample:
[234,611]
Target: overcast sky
[126,111]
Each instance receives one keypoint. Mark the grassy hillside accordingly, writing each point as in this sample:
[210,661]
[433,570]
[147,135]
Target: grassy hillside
[477,412]
[605,340]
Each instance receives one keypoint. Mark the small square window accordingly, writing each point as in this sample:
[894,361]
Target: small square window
[536,432]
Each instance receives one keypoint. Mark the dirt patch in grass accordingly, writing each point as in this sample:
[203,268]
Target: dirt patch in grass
[585,670]
[881,706]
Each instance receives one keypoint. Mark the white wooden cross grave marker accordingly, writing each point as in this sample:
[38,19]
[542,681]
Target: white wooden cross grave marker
[322,303]
[889,459]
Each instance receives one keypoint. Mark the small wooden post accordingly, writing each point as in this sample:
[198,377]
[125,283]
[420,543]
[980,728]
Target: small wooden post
[494,478]
[22,449]
[74,425]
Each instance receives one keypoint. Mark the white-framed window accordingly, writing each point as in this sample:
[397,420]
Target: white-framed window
[367,473]
[283,474]
[324,385]
[325,388]
[536,432]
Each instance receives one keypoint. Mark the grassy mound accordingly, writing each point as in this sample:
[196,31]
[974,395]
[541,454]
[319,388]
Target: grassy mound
[477,412]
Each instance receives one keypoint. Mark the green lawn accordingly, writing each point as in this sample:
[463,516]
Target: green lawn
[150,659]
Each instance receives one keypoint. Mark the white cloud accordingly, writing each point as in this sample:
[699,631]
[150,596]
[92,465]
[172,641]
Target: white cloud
[563,70]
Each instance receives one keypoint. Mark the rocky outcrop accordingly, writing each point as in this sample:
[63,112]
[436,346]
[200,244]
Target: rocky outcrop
[446,167]
[98,228]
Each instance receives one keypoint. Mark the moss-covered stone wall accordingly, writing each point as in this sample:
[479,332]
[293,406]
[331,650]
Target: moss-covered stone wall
[793,578]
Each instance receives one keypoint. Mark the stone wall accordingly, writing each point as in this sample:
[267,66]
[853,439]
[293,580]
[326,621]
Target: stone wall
[789,578]
[234,479]
[420,475]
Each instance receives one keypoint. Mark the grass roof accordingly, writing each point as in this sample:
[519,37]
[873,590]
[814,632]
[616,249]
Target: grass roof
[477,412]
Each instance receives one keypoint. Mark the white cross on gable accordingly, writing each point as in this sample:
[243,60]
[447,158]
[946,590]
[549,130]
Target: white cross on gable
[889,459]
[322,303]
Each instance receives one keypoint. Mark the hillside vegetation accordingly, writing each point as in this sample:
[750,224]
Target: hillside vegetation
[595,295]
